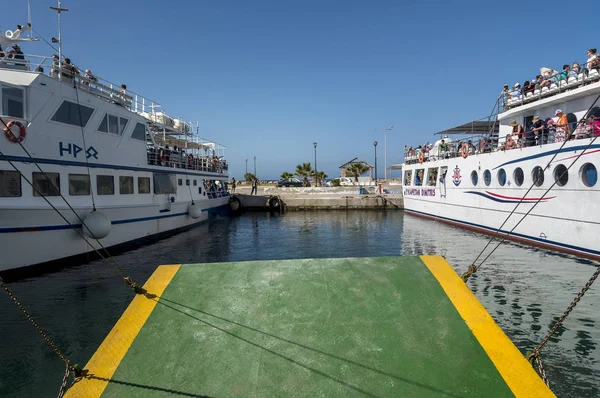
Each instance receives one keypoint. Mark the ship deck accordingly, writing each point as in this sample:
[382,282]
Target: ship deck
[375,327]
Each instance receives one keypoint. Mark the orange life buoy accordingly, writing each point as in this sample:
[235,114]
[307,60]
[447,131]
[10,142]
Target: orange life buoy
[464,151]
[11,136]
[421,157]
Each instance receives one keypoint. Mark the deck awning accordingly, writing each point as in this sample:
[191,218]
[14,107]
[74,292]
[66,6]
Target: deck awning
[476,127]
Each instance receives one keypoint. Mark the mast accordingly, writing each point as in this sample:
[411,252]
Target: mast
[58,10]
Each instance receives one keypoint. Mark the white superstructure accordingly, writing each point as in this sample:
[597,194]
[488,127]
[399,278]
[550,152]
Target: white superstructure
[480,187]
[83,140]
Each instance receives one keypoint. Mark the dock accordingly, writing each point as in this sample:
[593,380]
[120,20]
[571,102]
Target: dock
[350,327]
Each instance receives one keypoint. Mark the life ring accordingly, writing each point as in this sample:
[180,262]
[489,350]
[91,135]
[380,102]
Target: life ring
[464,151]
[274,202]
[11,136]
[421,157]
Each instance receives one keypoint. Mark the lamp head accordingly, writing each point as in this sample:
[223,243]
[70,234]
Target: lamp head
[374,143]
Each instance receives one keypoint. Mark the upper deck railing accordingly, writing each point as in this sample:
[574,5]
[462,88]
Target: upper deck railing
[88,81]
[551,84]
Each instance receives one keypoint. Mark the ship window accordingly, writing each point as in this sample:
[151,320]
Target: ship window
[73,114]
[164,183]
[10,184]
[187,182]
[139,132]
[419,177]
[125,185]
[13,102]
[180,182]
[432,177]
[501,177]
[487,177]
[195,182]
[518,176]
[79,184]
[112,124]
[143,184]
[589,175]
[105,185]
[474,178]
[46,184]
[537,175]
[572,119]
[407,177]
[561,175]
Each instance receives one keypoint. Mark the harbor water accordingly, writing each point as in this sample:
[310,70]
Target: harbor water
[525,289]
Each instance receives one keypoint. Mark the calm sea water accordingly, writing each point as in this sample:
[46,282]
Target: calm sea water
[525,289]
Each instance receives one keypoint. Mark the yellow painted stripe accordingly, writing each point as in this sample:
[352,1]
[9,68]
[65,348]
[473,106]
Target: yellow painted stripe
[516,371]
[107,358]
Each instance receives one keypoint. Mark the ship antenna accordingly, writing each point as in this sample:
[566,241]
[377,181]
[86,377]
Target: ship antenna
[29,16]
[58,10]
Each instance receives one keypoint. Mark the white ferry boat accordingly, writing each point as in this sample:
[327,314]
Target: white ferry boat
[476,182]
[97,154]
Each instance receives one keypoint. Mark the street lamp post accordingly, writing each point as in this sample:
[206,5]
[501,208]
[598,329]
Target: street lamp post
[316,172]
[255,166]
[246,166]
[375,146]
[385,130]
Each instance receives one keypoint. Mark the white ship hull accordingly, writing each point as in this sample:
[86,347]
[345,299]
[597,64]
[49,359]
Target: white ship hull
[565,219]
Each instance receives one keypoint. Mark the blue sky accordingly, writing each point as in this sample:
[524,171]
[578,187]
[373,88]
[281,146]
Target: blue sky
[268,78]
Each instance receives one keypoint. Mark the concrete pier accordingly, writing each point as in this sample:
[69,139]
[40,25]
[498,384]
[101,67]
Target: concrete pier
[330,198]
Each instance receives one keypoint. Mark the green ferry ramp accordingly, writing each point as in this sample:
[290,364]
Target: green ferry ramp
[351,327]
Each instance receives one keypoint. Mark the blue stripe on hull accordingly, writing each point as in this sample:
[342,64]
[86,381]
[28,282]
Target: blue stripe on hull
[115,222]
[158,169]
[523,236]
[548,153]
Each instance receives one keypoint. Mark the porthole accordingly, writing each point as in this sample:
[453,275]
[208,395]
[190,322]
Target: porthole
[518,176]
[588,174]
[501,177]
[474,177]
[537,175]
[487,177]
[561,175]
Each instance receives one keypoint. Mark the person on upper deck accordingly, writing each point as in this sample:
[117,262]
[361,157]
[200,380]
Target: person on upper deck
[574,71]
[505,93]
[68,70]
[539,130]
[563,131]
[593,61]
[516,91]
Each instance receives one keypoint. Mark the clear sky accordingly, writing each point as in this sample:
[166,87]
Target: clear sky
[268,78]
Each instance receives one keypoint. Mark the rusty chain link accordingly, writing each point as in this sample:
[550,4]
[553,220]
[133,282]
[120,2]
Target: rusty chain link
[69,365]
[536,352]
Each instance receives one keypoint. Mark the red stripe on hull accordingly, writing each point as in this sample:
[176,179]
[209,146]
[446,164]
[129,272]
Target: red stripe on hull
[509,237]
[514,198]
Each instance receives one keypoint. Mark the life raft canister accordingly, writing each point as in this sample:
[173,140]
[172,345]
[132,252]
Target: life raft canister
[11,136]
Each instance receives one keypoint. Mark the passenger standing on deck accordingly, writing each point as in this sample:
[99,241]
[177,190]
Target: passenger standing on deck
[562,126]
[517,133]
[540,131]
[233,185]
[254,186]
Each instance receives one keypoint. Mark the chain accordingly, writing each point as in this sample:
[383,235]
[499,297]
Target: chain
[536,352]
[63,386]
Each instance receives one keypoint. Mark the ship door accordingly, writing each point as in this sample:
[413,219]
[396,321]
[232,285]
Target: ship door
[443,172]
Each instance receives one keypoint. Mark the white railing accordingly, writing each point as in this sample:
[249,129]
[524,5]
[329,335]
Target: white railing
[551,85]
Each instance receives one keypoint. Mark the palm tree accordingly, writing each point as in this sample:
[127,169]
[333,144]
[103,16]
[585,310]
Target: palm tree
[320,175]
[356,169]
[285,175]
[304,170]
[249,177]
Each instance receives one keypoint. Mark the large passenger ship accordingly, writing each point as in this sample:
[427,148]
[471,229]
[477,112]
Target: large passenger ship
[80,155]
[535,188]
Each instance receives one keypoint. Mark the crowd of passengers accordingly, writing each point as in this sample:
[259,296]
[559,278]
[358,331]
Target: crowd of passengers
[540,132]
[549,77]
[178,158]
